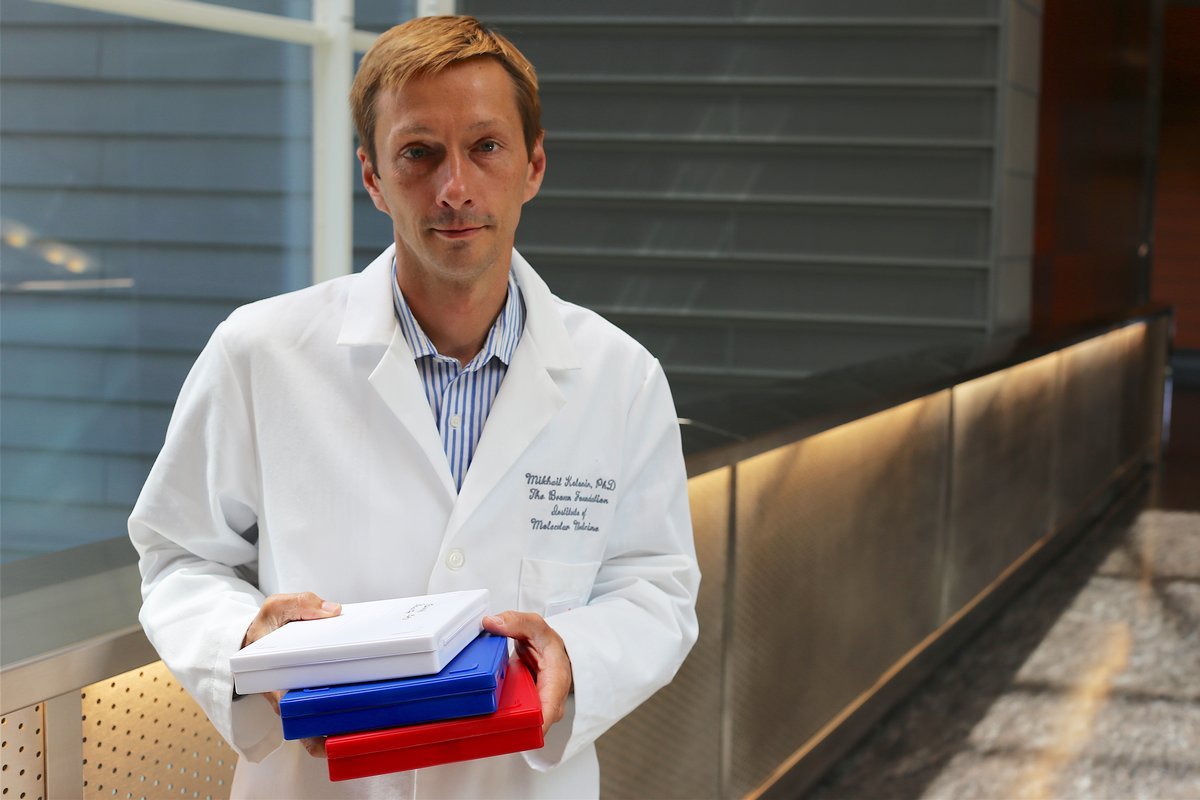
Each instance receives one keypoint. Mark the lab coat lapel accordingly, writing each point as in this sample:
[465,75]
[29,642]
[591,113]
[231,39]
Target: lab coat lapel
[528,399]
[397,381]
[370,321]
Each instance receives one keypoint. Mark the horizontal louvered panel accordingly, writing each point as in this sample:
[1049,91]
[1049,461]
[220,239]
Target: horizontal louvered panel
[180,165]
[751,201]
[717,169]
[76,478]
[682,10]
[852,292]
[146,54]
[755,84]
[161,216]
[32,528]
[93,374]
[515,24]
[705,259]
[761,52]
[781,348]
[174,270]
[728,379]
[758,318]
[61,319]
[74,426]
[764,143]
[860,113]
[192,109]
[814,231]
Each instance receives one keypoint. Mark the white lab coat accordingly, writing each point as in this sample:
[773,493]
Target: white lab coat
[303,456]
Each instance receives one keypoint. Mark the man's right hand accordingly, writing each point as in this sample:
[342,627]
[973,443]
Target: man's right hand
[278,610]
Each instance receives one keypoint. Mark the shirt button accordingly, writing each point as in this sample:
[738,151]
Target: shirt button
[455,559]
[455,421]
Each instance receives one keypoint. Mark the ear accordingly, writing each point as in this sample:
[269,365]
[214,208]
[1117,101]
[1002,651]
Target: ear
[370,179]
[537,169]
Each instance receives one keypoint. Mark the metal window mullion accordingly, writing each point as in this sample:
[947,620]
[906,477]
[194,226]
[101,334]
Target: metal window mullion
[332,140]
[207,16]
[62,729]
[434,8]
[222,19]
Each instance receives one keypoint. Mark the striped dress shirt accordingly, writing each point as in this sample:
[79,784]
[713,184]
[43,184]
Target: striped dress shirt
[461,397]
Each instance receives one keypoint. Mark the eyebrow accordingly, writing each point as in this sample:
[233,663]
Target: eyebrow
[422,130]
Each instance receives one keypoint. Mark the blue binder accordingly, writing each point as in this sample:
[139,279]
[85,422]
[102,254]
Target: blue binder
[467,686]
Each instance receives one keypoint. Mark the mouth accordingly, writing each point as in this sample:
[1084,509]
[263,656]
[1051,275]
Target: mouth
[458,233]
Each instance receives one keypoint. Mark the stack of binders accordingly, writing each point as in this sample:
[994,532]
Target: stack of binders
[444,697]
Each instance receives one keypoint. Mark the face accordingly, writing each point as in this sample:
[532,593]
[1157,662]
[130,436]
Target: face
[453,172]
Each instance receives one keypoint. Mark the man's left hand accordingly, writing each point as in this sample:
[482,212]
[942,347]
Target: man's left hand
[543,651]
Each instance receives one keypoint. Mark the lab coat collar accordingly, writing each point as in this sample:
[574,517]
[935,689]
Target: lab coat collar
[528,399]
[371,319]
[543,323]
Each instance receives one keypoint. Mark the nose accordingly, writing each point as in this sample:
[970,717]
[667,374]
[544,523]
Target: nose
[452,188]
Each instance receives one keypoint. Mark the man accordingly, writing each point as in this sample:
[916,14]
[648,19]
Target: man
[438,422]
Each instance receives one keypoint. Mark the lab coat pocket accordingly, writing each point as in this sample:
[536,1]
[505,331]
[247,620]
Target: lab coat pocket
[551,587]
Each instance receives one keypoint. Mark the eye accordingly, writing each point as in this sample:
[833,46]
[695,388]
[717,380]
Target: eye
[415,153]
[489,146]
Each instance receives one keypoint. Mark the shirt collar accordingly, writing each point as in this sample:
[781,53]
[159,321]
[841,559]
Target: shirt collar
[501,341]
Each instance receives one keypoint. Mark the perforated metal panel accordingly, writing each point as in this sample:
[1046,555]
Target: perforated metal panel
[144,737]
[832,533]
[22,755]
[670,746]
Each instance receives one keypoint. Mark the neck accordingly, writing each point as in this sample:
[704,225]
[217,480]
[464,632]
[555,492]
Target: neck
[456,317]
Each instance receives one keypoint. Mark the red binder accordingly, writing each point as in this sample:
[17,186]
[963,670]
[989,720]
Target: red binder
[515,726]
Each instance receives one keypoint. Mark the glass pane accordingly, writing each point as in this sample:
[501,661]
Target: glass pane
[379,15]
[153,178]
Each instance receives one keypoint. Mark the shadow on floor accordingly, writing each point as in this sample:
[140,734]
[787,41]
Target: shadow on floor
[915,743]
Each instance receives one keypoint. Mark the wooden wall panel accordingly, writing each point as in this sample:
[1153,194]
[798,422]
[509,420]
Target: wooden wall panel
[1176,277]
[1091,159]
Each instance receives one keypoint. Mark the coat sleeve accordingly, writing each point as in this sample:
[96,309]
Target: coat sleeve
[194,527]
[640,621]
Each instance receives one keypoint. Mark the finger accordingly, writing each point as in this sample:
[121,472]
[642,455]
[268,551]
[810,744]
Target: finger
[524,627]
[280,609]
[273,698]
[553,698]
[304,605]
[315,746]
[554,679]
[494,624]
[542,650]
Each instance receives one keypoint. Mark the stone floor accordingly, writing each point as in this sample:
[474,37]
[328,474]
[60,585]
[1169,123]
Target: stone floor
[1086,686]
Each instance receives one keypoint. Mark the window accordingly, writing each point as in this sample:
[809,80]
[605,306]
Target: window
[154,176]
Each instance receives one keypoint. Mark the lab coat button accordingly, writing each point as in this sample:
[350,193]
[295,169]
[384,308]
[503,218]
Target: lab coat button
[455,559]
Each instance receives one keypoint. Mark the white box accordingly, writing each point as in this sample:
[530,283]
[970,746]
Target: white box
[370,641]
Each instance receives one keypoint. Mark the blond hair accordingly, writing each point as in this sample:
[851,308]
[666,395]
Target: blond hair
[426,46]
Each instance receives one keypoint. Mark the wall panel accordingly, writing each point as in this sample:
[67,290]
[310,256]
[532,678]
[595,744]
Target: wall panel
[1089,421]
[1004,465]
[144,737]
[22,754]
[828,534]
[670,747]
